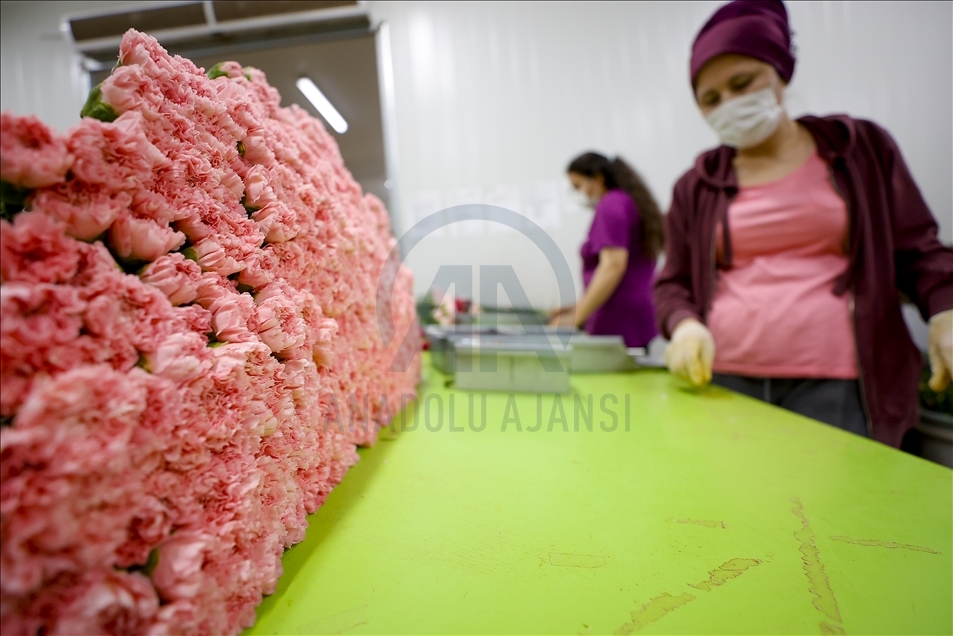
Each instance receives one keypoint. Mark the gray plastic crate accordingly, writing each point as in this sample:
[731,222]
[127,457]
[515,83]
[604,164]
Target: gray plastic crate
[588,354]
[601,354]
[443,338]
[521,367]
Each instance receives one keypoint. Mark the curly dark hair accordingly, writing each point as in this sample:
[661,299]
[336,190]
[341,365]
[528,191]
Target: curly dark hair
[619,174]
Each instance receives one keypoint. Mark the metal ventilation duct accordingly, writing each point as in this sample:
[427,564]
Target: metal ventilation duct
[230,10]
[207,23]
[160,18]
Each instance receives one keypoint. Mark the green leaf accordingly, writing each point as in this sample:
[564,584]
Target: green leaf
[143,363]
[12,199]
[130,266]
[152,562]
[425,308]
[149,566]
[216,71]
[96,108]
[191,254]
[249,209]
[930,400]
[127,265]
[241,148]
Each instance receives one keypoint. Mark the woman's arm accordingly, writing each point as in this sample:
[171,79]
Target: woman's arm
[924,267]
[562,316]
[673,289]
[609,272]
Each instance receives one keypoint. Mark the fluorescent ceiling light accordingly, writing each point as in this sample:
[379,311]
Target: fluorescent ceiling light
[321,103]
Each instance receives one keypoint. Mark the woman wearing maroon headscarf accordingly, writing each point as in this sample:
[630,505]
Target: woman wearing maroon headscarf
[789,246]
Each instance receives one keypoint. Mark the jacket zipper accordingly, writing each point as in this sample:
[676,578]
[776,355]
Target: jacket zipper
[853,319]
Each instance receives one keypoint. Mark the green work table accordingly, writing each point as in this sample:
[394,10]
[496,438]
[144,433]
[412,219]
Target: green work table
[699,512]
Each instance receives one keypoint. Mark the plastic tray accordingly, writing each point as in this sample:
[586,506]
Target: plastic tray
[493,364]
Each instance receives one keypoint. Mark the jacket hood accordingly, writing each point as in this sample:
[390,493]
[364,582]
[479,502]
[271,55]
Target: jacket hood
[833,134]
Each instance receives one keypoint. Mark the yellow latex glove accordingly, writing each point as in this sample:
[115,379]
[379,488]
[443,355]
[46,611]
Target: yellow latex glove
[941,350]
[690,352]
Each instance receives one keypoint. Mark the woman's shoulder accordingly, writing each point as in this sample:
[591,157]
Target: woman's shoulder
[617,196]
[841,133]
[617,201]
[712,167]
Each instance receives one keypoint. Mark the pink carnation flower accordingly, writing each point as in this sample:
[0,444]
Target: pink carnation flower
[321,330]
[234,318]
[181,357]
[40,328]
[258,193]
[232,70]
[178,572]
[147,204]
[257,149]
[176,276]
[86,212]
[192,223]
[211,256]
[98,601]
[129,88]
[213,287]
[277,222]
[193,318]
[35,249]
[117,155]
[214,456]
[31,155]
[300,378]
[142,240]
[68,480]
[123,312]
[279,326]
[258,269]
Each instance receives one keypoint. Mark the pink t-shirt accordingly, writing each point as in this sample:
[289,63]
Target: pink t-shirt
[774,313]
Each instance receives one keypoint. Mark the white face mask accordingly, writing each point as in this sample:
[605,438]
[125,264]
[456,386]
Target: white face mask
[748,120]
[583,200]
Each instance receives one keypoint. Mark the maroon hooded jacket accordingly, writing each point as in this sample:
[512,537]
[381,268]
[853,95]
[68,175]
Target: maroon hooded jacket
[893,250]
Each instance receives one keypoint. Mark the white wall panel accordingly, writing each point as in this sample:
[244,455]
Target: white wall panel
[39,72]
[505,94]
[497,97]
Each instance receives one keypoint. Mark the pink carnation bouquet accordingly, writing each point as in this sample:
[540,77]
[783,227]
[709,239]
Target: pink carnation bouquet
[189,351]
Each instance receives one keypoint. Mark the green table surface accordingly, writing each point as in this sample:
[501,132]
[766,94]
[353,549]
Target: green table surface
[701,512]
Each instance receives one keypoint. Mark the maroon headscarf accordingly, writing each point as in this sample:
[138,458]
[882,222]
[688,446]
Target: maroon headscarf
[756,28]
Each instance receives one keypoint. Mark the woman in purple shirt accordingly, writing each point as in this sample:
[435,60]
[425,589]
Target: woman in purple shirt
[619,255]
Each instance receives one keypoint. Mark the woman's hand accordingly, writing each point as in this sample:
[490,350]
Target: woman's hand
[562,316]
[941,350]
[691,352]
